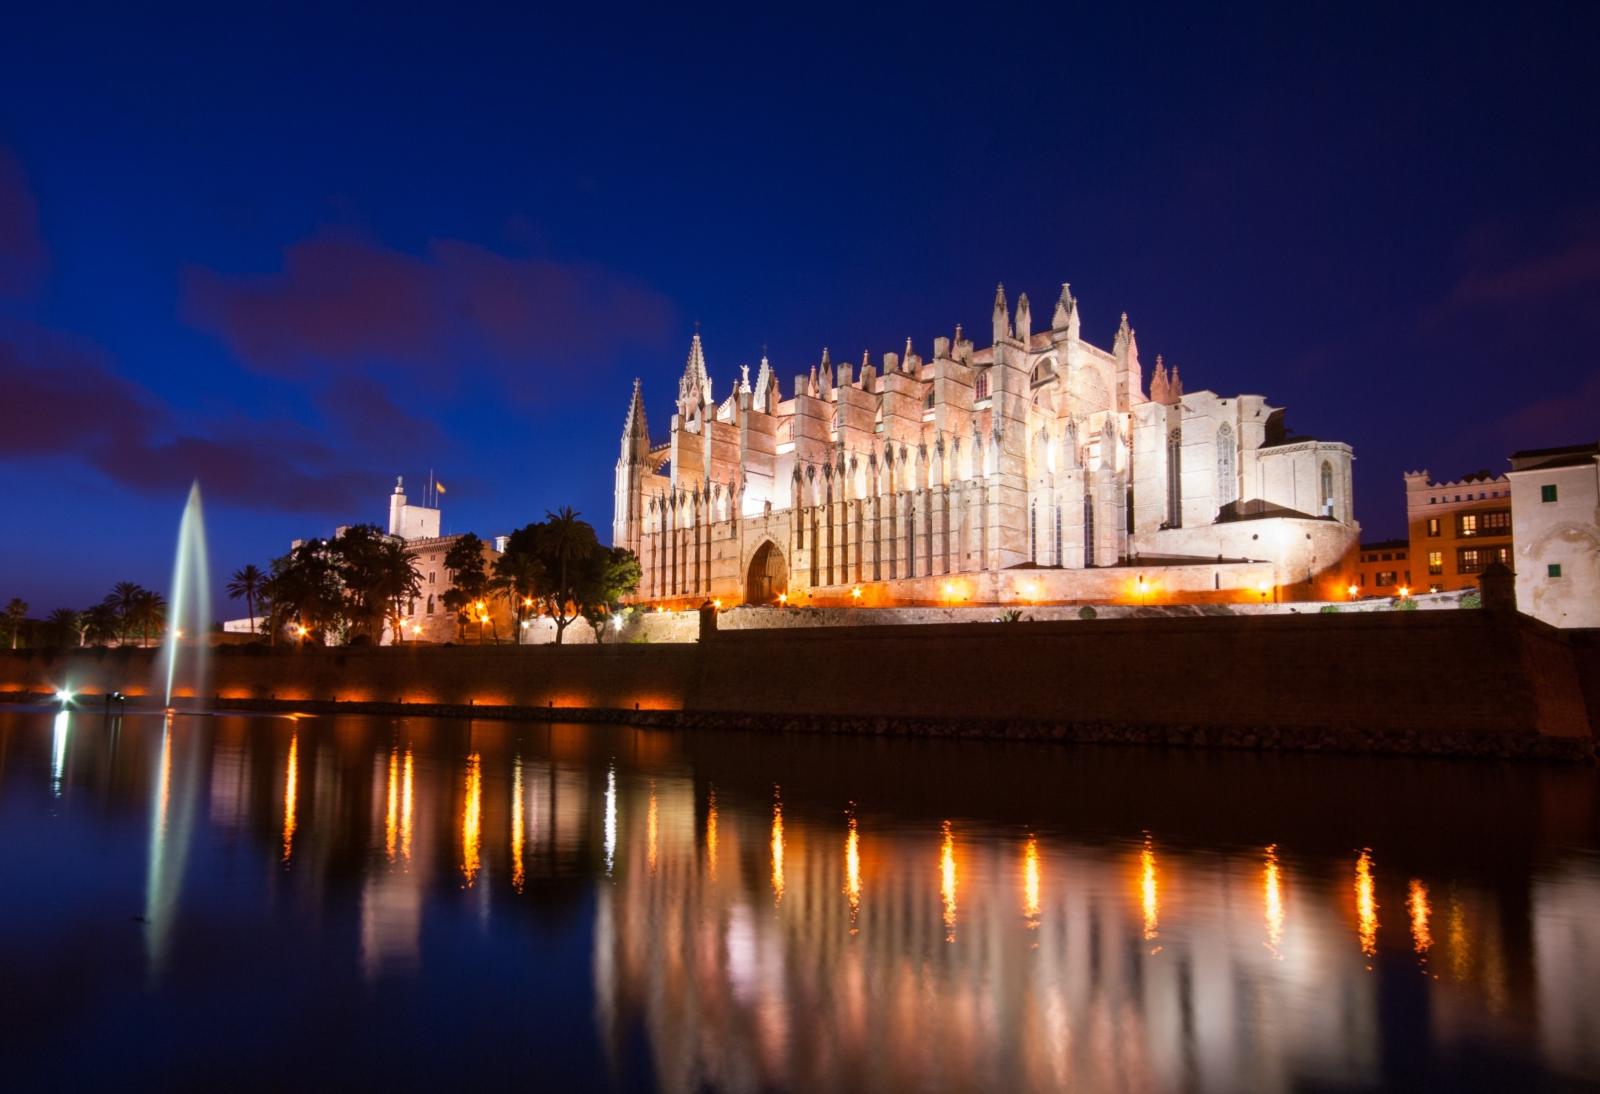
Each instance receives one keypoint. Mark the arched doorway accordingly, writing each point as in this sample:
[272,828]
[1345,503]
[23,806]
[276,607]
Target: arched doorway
[768,577]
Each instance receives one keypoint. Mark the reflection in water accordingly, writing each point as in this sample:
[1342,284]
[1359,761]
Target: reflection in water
[391,816]
[518,875]
[1149,893]
[777,847]
[699,979]
[947,880]
[1030,883]
[291,783]
[852,871]
[405,808]
[171,822]
[58,751]
[652,829]
[711,833]
[472,822]
[1366,905]
[1417,905]
[1272,899]
[611,818]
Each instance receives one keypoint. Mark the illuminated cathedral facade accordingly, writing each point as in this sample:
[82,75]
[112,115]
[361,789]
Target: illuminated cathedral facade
[1038,469]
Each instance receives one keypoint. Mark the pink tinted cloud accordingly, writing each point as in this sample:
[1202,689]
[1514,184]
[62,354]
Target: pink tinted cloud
[345,302]
[22,252]
[1576,264]
[63,401]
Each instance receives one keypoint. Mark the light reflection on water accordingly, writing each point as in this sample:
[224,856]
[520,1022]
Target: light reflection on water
[671,908]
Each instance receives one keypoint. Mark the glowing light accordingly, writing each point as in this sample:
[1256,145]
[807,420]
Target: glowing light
[391,819]
[611,818]
[291,781]
[717,604]
[517,874]
[177,632]
[852,871]
[1417,904]
[1030,883]
[406,798]
[711,834]
[1272,901]
[1366,905]
[63,696]
[947,879]
[783,598]
[777,847]
[652,829]
[855,593]
[1149,892]
[58,751]
[471,822]
[1405,591]
[1264,587]
[1352,591]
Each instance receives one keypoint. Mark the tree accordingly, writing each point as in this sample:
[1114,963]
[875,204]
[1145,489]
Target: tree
[469,583]
[62,627]
[610,576]
[377,576]
[16,612]
[149,613]
[124,596]
[304,586]
[517,577]
[99,623]
[563,550]
[247,584]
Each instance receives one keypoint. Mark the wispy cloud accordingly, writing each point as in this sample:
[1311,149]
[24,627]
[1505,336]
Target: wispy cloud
[345,303]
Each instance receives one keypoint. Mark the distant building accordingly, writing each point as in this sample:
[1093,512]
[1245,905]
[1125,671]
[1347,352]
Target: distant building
[426,618]
[1457,529]
[1555,514]
[1382,568]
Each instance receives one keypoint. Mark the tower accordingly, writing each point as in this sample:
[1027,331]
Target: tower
[628,508]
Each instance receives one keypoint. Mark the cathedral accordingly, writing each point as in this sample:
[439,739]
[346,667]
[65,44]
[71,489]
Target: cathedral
[1040,469]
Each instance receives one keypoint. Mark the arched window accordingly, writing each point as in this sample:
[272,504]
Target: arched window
[928,403]
[1327,489]
[1042,372]
[1175,479]
[1227,473]
[430,603]
[1033,531]
[980,387]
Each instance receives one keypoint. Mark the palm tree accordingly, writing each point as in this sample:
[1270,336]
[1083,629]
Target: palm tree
[99,623]
[247,583]
[16,612]
[123,599]
[63,624]
[149,613]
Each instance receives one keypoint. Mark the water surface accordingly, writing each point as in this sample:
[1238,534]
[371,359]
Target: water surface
[258,902]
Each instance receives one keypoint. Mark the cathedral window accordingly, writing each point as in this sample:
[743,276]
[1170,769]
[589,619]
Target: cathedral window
[1327,489]
[928,402]
[1058,536]
[980,387]
[1088,531]
[1227,474]
[1033,532]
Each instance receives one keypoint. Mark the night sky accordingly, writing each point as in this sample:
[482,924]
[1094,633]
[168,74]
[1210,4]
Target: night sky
[298,255]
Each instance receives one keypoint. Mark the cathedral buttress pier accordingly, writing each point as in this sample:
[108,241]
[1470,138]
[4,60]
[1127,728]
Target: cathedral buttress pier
[1040,469]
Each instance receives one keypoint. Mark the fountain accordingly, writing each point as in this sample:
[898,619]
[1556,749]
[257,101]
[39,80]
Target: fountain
[189,606]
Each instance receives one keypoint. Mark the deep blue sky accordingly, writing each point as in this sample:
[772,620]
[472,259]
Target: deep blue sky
[299,254]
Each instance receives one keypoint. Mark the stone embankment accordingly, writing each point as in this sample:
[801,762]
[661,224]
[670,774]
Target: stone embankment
[1452,683]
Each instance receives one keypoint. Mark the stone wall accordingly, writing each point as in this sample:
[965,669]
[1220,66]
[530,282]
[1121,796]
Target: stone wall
[1460,682]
